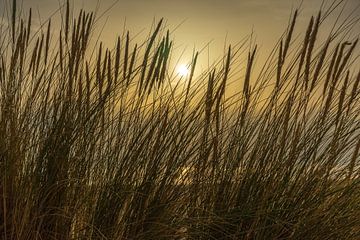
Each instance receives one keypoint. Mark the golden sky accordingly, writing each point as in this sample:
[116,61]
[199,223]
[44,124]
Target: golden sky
[195,22]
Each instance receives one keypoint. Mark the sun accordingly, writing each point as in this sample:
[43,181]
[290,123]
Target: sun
[183,70]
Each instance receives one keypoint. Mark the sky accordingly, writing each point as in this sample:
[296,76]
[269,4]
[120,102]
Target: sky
[195,23]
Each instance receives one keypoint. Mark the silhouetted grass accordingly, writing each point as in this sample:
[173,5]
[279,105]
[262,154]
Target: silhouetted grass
[112,146]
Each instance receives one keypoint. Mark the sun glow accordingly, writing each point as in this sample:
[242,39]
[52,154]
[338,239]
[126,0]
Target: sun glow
[182,70]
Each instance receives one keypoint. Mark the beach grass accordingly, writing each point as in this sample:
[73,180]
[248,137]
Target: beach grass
[105,143]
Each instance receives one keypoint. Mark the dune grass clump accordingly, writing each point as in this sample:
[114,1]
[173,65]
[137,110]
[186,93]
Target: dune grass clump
[108,144]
